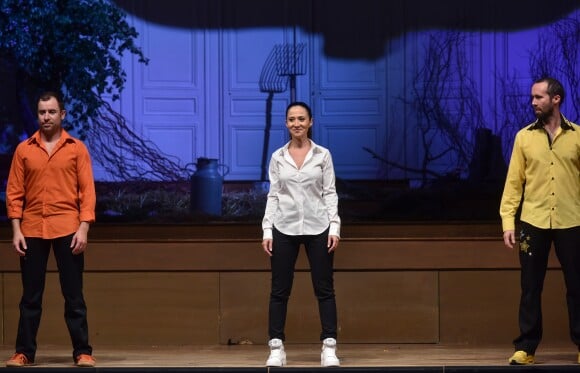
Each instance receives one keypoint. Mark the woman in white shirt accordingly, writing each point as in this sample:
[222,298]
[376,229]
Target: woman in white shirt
[302,208]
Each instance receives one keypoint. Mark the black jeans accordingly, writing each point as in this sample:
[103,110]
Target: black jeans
[33,273]
[284,255]
[535,244]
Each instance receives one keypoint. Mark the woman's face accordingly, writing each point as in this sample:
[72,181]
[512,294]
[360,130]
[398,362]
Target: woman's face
[298,122]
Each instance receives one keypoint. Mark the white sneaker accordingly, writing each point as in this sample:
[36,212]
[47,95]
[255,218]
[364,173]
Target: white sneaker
[328,355]
[277,356]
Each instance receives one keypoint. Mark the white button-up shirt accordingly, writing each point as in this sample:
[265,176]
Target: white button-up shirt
[301,201]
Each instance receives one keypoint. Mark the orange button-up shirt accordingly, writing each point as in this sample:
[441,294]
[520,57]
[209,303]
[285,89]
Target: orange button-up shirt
[51,194]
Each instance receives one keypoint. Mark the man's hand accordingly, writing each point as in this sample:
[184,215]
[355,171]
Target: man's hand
[509,239]
[19,243]
[79,240]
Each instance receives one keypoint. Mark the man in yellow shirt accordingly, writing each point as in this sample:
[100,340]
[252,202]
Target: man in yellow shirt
[544,171]
[50,200]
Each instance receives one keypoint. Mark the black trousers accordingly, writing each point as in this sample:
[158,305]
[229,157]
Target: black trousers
[33,273]
[284,255]
[535,244]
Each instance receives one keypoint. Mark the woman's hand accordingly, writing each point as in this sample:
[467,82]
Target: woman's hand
[332,243]
[267,246]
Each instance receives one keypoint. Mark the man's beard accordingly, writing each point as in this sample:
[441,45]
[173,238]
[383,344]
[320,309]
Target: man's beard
[544,115]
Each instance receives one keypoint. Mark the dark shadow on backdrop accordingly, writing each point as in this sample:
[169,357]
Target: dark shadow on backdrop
[353,28]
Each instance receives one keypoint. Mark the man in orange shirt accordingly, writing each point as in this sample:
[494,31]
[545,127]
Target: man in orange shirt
[50,200]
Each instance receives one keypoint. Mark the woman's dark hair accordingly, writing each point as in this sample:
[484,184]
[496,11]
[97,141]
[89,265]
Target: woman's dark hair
[308,110]
[554,87]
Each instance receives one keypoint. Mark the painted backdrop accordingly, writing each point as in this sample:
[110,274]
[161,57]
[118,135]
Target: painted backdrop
[400,90]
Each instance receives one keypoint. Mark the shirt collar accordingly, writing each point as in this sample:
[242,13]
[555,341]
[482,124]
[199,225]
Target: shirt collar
[64,137]
[564,123]
[314,147]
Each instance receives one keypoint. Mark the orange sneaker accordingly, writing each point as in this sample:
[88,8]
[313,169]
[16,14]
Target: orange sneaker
[84,360]
[18,360]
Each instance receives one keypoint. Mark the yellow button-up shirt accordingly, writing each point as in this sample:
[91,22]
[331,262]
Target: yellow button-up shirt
[547,174]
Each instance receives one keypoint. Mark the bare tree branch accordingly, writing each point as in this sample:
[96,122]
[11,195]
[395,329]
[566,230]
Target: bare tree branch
[125,155]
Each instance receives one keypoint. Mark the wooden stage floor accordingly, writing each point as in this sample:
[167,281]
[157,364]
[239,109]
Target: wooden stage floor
[306,357]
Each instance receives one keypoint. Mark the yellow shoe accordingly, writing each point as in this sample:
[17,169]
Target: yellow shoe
[521,358]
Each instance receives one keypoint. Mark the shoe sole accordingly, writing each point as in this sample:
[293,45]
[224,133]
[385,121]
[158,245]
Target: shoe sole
[85,365]
[513,362]
[282,363]
[276,365]
[19,365]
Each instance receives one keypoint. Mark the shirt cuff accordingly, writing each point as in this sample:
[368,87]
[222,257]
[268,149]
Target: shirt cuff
[334,230]
[508,225]
[267,234]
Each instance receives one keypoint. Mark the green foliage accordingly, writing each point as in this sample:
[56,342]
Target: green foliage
[74,46]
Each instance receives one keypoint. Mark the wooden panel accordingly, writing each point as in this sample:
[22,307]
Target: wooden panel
[52,326]
[2,315]
[163,288]
[244,108]
[350,103]
[413,253]
[243,158]
[303,322]
[373,307]
[252,230]
[237,247]
[154,308]
[245,255]
[554,309]
[475,307]
[183,47]
[204,255]
[130,308]
[480,307]
[244,307]
[173,140]
[388,307]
